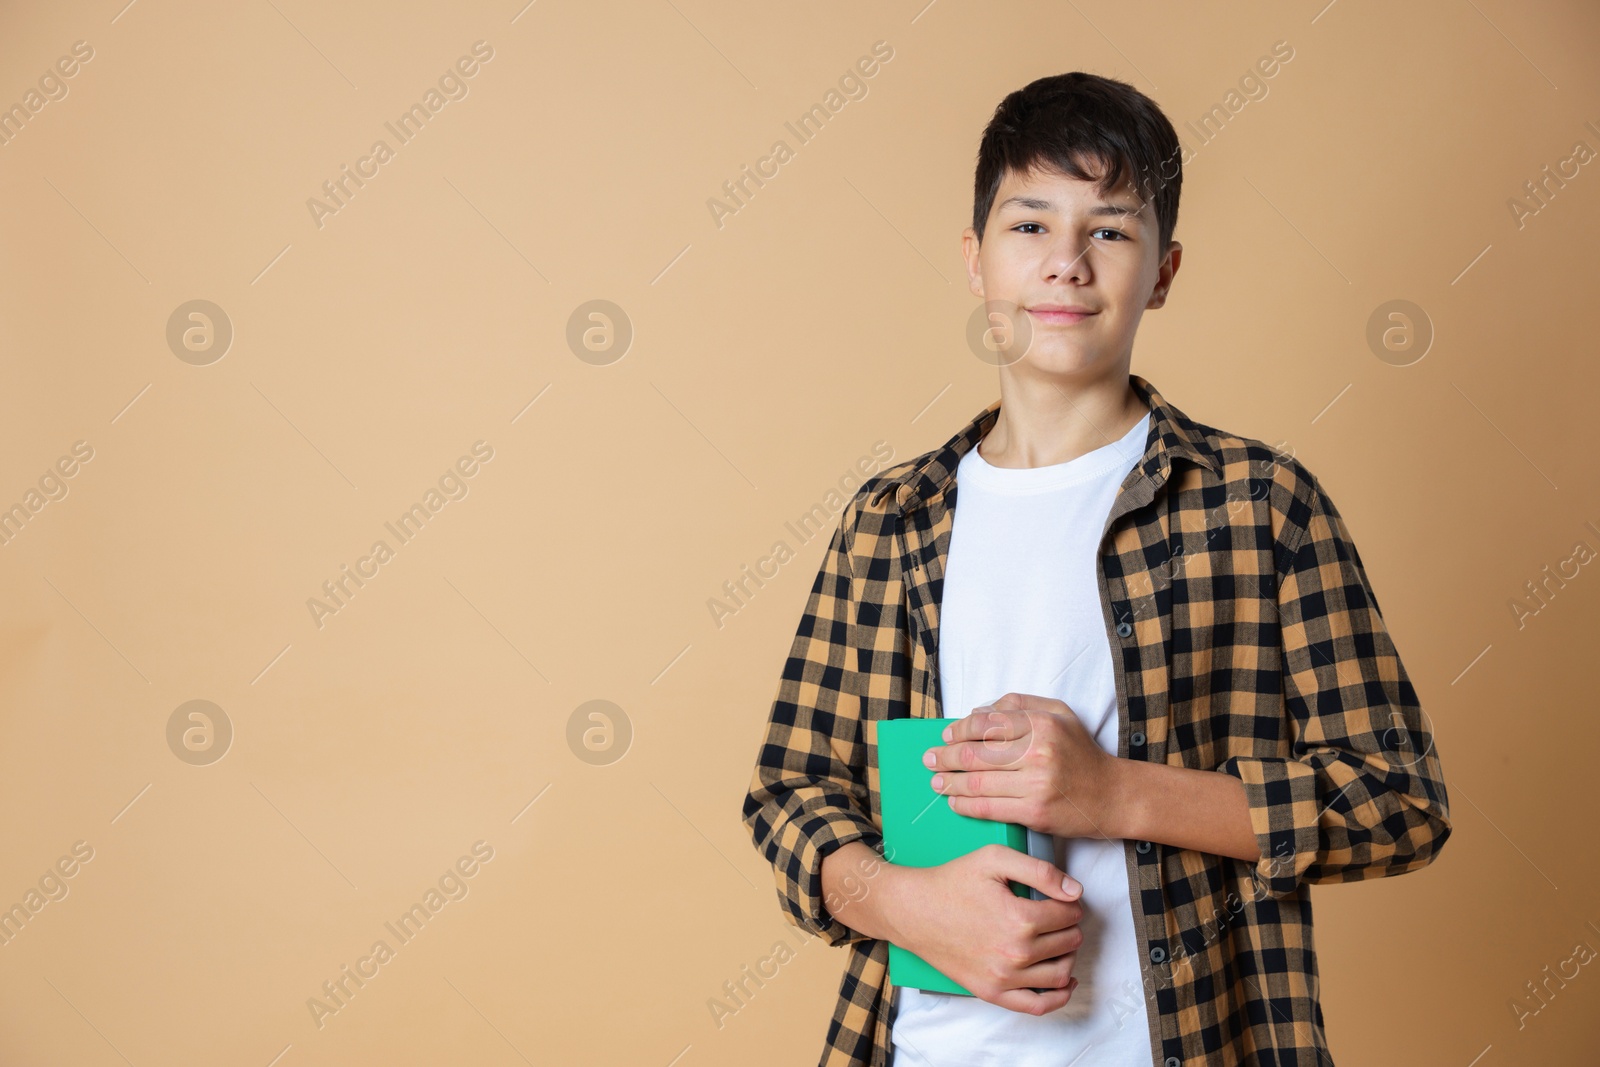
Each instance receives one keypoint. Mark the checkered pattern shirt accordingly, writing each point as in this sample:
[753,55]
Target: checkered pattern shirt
[1246,640]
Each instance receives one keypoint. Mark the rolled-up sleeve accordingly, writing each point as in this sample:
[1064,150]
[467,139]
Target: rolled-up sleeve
[809,793]
[1363,794]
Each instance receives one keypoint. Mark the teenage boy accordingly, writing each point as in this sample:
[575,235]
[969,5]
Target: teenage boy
[1158,649]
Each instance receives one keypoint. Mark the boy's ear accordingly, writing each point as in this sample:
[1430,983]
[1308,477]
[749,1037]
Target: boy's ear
[1168,269]
[969,253]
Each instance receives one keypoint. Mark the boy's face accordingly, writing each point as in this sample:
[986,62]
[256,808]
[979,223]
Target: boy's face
[1053,241]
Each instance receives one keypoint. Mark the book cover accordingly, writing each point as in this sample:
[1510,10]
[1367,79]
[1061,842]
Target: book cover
[921,830]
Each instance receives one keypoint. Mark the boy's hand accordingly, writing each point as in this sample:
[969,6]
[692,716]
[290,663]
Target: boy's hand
[1029,760]
[963,918]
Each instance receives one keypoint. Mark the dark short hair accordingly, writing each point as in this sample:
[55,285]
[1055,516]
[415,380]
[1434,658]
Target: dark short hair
[1091,128]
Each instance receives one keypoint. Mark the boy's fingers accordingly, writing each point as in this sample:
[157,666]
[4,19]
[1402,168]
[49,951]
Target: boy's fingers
[987,724]
[1040,874]
[1031,1003]
[1051,973]
[1055,943]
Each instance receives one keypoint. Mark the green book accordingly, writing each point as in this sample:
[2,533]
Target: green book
[920,829]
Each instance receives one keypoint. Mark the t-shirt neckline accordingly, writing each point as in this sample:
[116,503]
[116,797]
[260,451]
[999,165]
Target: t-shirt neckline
[1116,455]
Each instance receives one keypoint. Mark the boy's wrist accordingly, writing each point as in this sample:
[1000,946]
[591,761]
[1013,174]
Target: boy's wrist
[1126,816]
[864,891]
[894,888]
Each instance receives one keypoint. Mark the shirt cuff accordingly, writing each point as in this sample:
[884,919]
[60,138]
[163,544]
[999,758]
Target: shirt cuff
[821,833]
[1285,810]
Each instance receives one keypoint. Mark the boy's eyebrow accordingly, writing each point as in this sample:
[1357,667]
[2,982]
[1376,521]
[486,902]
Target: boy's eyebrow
[1034,203]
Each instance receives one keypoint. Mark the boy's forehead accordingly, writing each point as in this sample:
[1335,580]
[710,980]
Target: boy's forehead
[1054,191]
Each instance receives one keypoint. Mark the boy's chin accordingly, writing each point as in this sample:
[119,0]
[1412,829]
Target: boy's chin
[1063,361]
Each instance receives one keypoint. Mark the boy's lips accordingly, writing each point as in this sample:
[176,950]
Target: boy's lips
[1060,313]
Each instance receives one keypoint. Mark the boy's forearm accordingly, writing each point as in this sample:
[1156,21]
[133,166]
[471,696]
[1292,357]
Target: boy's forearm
[858,889]
[1181,806]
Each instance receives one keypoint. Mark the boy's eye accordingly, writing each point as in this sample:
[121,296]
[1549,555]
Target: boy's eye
[1037,228]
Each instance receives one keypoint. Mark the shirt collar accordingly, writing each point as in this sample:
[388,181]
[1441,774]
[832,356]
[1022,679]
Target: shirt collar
[1172,435]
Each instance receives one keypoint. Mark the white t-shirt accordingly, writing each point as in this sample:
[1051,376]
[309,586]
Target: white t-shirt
[1021,612]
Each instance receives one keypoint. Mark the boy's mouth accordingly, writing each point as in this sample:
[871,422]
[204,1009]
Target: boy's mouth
[1063,314]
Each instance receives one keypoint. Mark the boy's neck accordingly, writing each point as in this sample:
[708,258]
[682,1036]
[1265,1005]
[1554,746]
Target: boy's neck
[1049,420]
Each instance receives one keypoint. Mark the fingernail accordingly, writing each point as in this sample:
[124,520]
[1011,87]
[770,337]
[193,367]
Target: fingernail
[927,758]
[938,782]
[947,733]
[1071,886]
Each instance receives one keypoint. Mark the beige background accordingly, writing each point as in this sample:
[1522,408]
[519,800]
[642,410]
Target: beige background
[768,356]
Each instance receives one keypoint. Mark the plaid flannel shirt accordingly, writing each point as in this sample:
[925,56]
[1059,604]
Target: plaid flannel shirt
[1247,640]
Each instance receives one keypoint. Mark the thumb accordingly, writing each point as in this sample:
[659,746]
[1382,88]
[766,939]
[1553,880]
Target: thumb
[1040,874]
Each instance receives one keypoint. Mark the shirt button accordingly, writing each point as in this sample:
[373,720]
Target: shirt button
[1124,629]
[1136,739]
[1158,954]
[1142,847]
[1173,1061]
